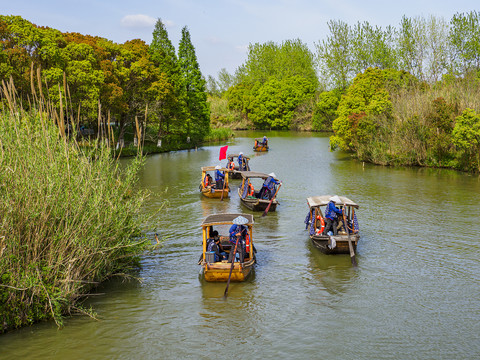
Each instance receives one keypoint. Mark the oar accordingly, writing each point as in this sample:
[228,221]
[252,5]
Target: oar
[231,268]
[223,190]
[350,245]
[271,201]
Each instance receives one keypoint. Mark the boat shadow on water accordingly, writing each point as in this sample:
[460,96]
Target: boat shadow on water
[334,273]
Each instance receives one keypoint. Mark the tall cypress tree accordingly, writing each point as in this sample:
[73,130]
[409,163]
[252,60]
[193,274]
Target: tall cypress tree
[172,113]
[195,87]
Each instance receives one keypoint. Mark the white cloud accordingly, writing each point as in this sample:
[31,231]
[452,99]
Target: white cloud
[138,21]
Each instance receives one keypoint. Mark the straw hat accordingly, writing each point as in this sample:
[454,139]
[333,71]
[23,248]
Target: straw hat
[218,167]
[272,174]
[335,199]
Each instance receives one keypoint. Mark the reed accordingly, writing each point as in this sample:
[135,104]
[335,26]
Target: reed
[70,216]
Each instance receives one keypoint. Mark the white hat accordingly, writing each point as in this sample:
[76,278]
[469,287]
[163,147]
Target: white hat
[240,153]
[218,167]
[335,199]
[272,174]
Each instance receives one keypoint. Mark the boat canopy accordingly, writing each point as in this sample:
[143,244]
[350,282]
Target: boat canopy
[255,174]
[222,219]
[234,156]
[212,168]
[323,200]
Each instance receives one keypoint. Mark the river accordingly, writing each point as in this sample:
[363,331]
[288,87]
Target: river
[415,293]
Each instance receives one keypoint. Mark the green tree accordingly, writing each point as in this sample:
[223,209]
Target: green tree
[372,47]
[325,110]
[465,41]
[171,110]
[466,135]
[275,102]
[198,125]
[366,96]
[335,58]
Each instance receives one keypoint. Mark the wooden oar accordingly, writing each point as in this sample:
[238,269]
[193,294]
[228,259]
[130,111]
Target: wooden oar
[231,268]
[271,201]
[350,245]
[223,190]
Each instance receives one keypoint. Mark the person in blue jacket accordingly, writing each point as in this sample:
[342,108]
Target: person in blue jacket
[265,140]
[240,232]
[241,162]
[331,215]
[269,187]
[219,177]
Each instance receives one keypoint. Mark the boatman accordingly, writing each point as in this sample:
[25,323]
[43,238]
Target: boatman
[265,140]
[219,177]
[237,232]
[241,161]
[269,187]
[331,215]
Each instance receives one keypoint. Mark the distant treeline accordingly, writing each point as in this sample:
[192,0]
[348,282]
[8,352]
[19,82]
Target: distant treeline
[106,81]
[406,96]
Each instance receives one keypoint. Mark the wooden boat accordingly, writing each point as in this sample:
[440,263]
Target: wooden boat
[233,168]
[252,198]
[209,189]
[219,270]
[333,244]
[259,145]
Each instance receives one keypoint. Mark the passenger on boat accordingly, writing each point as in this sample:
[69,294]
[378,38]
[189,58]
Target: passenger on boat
[241,162]
[219,177]
[269,187]
[240,232]
[215,245]
[331,215]
[208,180]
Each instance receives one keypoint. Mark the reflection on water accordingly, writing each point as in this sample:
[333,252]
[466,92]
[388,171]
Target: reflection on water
[415,293]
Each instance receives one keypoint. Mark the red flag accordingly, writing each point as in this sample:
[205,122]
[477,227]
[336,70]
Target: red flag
[223,152]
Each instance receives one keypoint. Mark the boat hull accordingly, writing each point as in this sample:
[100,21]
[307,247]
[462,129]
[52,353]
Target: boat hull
[255,204]
[219,271]
[215,194]
[321,242]
[260,148]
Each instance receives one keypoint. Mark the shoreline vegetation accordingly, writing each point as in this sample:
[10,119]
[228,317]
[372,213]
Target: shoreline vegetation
[71,216]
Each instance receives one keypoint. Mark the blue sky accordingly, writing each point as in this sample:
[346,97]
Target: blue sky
[221,30]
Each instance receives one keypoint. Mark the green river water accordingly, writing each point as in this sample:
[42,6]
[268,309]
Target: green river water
[415,293]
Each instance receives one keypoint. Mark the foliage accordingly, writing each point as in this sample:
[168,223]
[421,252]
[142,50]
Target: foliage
[466,135]
[366,96]
[69,218]
[198,125]
[427,48]
[326,110]
[273,82]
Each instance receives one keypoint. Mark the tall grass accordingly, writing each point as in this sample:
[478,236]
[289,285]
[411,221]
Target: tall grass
[70,217]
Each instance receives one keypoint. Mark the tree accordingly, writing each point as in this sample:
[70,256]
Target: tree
[366,96]
[198,125]
[466,134]
[335,55]
[325,110]
[171,113]
[465,41]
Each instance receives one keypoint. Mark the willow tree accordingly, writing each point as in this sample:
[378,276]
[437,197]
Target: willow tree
[198,125]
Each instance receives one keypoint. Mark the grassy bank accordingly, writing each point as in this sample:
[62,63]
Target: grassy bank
[70,219]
